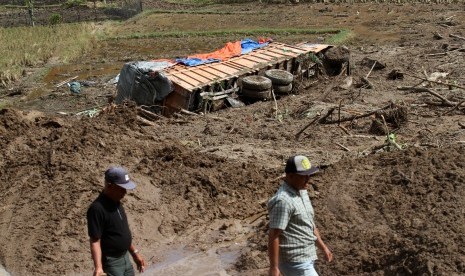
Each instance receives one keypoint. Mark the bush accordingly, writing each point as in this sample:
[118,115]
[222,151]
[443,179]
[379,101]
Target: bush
[55,19]
[73,3]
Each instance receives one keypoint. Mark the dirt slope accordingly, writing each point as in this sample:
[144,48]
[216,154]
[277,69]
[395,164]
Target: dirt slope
[204,180]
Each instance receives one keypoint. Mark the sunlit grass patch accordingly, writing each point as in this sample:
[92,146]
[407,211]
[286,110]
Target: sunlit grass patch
[23,47]
[340,37]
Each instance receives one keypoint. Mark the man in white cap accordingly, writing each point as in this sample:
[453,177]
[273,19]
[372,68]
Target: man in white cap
[108,228]
[293,236]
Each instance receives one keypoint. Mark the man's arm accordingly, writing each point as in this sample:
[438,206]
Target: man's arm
[96,253]
[322,246]
[137,258]
[273,251]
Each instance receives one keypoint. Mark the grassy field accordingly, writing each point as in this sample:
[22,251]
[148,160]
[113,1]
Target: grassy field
[24,47]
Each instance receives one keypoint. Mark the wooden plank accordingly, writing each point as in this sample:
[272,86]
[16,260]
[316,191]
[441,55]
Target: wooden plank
[297,49]
[316,48]
[185,78]
[214,71]
[225,69]
[234,65]
[195,76]
[181,82]
[255,59]
[244,62]
[268,58]
[178,99]
[271,54]
[283,53]
[205,74]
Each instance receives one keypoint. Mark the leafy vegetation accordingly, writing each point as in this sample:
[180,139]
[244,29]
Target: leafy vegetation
[55,19]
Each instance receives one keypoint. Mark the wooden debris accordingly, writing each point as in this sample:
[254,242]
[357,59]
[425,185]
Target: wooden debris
[66,81]
[342,146]
[315,119]
[148,114]
[187,112]
[457,36]
[144,121]
[345,130]
[445,102]
[350,118]
[366,83]
[454,108]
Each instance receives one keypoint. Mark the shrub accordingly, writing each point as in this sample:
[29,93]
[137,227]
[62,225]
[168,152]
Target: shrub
[55,19]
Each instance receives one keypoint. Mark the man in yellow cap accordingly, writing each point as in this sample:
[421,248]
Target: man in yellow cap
[293,236]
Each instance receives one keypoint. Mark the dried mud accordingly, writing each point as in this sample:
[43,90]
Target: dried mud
[204,180]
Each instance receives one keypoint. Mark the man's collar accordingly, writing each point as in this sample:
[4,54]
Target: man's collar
[291,189]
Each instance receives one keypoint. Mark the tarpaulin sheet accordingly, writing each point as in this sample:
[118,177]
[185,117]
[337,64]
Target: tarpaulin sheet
[231,49]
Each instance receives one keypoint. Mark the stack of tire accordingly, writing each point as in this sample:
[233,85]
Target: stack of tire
[281,80]
[256,88]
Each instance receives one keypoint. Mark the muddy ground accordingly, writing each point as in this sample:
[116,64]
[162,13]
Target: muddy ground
[200,207]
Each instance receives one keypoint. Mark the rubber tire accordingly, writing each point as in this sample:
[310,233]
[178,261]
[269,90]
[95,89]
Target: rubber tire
[256,94]
[256,83]
[279,77]
[282,89]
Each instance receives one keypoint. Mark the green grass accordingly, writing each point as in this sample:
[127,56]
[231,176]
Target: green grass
[340,37]
[192,2]
[245,32]
[23,47]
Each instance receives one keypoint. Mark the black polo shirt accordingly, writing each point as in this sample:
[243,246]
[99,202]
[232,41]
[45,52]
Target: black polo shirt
[107,221]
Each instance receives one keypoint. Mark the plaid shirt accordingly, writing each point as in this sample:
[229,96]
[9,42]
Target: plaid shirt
[292,212]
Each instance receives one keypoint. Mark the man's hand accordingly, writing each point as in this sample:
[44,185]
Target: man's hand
[274,271]
[139,262]
[98,272]
[328,254]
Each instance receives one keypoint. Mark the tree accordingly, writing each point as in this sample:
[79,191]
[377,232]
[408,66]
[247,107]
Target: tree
[30,10]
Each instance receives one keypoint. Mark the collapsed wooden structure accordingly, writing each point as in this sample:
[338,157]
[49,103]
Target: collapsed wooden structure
[206,86]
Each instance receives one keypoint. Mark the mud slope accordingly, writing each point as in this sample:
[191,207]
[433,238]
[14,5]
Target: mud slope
[389,214]
[51,171]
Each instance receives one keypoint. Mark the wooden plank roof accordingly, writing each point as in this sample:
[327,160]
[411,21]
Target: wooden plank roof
[191,78]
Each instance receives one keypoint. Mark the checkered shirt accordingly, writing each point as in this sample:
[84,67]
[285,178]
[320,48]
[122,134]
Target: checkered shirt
[292,212]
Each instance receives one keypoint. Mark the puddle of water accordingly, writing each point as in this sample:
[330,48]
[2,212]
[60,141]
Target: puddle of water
[84,72]
[183,261]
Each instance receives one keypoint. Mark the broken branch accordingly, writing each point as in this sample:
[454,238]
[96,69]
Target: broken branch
[423,89]
[342,146]
[457,36]
[309,124]
[350,118]
[454,108]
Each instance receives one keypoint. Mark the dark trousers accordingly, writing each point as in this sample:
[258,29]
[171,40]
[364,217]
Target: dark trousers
[118,266]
